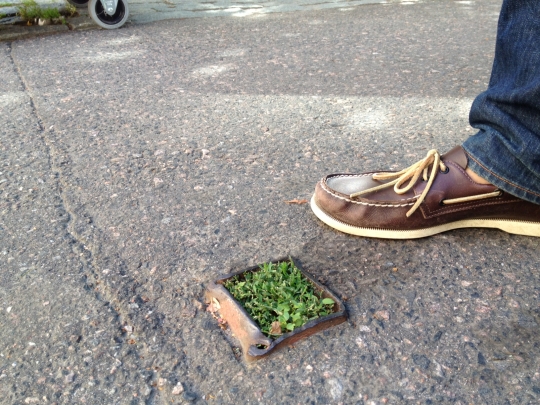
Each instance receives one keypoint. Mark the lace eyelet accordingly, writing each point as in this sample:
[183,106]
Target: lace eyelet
[445,171]
[441,203]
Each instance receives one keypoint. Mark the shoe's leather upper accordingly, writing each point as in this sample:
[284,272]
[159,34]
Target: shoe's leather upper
[385,209]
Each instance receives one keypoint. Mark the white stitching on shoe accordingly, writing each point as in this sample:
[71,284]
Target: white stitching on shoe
[325,188]
[354,175]
[409,175]
[412,174]
[358,202]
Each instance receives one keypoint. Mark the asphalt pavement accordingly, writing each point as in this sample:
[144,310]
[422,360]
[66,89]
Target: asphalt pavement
[138,164]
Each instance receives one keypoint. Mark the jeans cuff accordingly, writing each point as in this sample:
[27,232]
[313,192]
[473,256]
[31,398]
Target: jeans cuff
[488,170]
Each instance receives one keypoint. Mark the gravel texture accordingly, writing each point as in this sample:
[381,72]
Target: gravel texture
[141,163]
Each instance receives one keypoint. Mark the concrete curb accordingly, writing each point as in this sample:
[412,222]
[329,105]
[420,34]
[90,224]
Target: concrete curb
[11,6]
[17,31]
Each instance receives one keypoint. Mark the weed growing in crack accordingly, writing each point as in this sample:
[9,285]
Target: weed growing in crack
[31,11]
[50,13]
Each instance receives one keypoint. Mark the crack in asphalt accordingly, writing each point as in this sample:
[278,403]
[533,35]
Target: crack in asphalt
[89,253]
[80,231]
[16,69]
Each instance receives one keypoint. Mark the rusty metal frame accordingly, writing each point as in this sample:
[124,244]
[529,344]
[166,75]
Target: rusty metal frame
[246,330]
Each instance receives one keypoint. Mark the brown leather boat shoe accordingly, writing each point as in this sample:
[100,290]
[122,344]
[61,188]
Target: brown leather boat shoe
[432,196]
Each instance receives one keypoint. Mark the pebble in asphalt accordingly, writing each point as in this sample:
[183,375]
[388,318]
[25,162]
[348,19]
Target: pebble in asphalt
[140,163]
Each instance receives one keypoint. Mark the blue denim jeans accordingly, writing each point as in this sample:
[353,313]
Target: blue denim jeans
[506,150]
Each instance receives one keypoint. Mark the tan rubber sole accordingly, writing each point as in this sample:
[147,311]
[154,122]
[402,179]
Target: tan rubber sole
[516,227]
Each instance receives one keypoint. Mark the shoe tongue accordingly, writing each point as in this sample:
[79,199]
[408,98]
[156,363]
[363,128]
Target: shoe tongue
[458,156]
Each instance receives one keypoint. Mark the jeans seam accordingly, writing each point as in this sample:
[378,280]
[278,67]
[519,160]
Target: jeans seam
[500,178]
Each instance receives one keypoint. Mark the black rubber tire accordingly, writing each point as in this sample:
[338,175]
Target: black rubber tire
[96,11]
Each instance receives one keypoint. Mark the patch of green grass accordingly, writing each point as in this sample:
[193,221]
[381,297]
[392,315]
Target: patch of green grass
[278,297]
[29,10]
[50,13]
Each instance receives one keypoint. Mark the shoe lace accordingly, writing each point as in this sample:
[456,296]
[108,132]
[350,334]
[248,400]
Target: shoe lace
[412,174]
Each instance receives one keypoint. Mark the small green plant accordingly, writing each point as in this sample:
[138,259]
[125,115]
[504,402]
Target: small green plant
[278,297]
[29,10]
[70,10]
[50,13]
